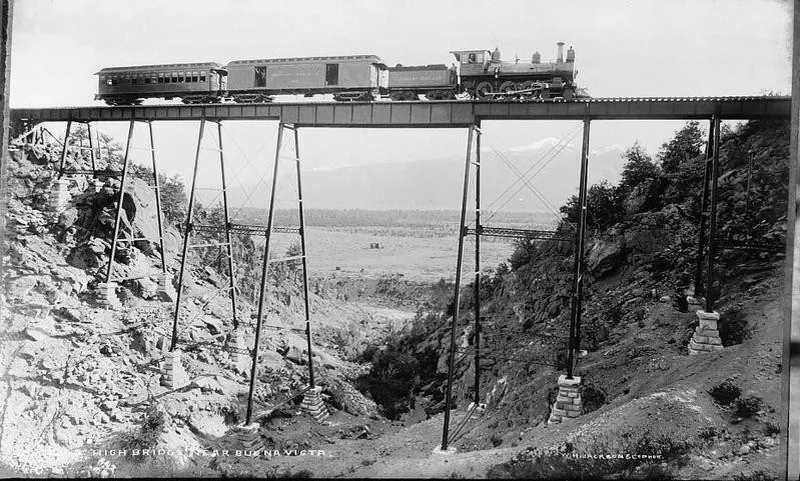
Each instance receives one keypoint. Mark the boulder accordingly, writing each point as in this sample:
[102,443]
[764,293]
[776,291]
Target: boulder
[605,256]
[83,257]
[213,324]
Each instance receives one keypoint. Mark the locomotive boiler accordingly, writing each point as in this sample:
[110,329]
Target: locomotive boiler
[476,74]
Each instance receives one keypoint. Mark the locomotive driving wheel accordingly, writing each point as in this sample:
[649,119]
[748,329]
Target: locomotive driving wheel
[506,88]
[527,85]
[483,89]
[568,94]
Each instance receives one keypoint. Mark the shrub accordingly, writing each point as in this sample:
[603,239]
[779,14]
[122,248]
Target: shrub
[725,392]
[496,440]
[708,433]
[593,397]
[771,428]
[733,327]
[749,406]
[391,380]
[146,435]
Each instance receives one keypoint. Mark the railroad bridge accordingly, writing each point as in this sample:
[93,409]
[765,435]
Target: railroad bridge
[467,115]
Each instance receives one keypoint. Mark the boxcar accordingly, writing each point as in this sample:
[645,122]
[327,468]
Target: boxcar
[192,82]
[353,77]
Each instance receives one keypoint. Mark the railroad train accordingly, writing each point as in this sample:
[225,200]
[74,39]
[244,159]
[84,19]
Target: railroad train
[476,74]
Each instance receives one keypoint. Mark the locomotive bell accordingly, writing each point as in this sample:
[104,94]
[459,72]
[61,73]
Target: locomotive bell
[536,58]
[560,57]
[496,54]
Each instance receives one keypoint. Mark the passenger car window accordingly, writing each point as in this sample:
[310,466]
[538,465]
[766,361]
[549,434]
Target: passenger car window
[194,76]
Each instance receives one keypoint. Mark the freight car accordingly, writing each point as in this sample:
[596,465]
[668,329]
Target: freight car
[478,74]
[353,77]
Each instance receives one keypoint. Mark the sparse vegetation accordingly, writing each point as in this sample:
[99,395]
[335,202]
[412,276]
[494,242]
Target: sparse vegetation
[757,475]
[570,461]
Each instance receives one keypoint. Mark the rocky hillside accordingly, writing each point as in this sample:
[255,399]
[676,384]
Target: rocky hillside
[80,377]
[640,387]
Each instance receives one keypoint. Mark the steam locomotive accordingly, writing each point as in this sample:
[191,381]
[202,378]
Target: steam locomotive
[477,74]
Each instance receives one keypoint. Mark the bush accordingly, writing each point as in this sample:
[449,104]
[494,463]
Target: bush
[394,377]
[496,440]
[593,397]
[146,435]
[733,327]
[708,433]
[749,406]
[725,392]
[771,428]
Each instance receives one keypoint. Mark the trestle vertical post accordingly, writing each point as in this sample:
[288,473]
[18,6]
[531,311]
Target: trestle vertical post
[64,149]
[157,189]
[578,266]
[304,253]
[263,286]
[228,237]
[187,236]
[477,287]
[712,221]
[701,236]
[125,163]
[457,297]
[91,149]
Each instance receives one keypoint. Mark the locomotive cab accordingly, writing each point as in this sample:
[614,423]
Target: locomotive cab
[472,62]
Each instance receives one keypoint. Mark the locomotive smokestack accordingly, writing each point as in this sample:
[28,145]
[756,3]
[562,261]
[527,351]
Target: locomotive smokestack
[560,57]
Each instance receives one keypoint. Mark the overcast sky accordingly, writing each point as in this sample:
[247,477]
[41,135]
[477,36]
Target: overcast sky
[623,48]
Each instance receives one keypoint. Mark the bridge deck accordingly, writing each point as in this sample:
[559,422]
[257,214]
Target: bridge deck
[424,114]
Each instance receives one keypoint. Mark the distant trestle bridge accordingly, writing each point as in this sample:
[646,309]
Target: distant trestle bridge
[415,114]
